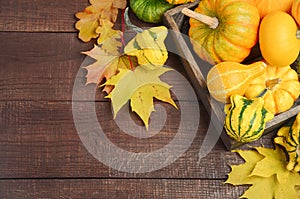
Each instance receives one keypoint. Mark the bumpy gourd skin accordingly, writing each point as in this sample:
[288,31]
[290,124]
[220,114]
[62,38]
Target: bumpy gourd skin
[235,35]
[289,138]
[246,119]
[150,10]
[282,95]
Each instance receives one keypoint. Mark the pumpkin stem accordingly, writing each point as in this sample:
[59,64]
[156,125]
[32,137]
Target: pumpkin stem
[212,22]
[298,34]
[272,82]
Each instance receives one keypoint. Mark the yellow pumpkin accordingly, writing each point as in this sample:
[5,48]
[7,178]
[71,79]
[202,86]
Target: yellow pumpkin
[278,85]
[233,34]
[175,2]
[296,11]
[266,6]
[278,40]
[228,78]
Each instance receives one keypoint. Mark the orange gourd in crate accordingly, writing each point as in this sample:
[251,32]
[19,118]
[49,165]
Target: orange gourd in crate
[228,78]
[278,40]
[232,33]
[266,6]
[296,11]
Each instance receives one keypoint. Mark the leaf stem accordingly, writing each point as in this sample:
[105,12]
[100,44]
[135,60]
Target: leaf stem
[123,29]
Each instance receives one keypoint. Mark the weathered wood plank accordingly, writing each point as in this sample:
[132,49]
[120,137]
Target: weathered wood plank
[39,66]
[48,16]
[44,66]
[38,15]
[39,139]
[39,143]
[118,188]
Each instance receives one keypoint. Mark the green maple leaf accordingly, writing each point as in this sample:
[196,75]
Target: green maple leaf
[265,169]
[140,86]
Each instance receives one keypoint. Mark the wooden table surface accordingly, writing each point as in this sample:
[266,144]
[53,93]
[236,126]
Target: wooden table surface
[41,153]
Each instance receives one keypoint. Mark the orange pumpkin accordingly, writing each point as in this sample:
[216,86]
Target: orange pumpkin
[232,37]
[281,87]
[278,40]
[266,6]
[296,11]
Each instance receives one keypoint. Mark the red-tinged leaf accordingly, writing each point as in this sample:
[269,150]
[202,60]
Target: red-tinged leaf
[103,67]
[106,64]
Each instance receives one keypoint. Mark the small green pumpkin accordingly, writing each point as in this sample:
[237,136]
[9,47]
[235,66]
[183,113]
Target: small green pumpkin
[289,138]
[246,119]
[150,10]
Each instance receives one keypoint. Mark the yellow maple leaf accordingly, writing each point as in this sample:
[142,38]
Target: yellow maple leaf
[90,17]
[265,169]
[239,173]
[141,101]
[140,86]
[273,163]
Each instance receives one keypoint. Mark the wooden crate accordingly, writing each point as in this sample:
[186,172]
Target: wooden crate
[197,71]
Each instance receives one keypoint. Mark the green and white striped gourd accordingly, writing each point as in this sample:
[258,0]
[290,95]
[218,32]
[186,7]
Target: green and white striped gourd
[246,119]
[289,138]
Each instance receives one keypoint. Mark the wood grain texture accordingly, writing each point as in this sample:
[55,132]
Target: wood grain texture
[48,16]
[39,15]
[44,66]
[118,188]
[41,153]
[39,139]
